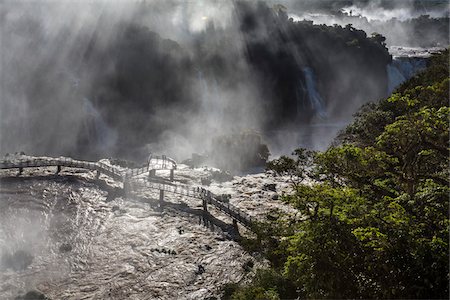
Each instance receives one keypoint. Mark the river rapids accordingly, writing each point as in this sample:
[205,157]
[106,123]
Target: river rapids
[63,237]
[70,236]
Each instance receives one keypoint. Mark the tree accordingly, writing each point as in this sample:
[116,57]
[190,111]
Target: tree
[375,222]
[297,168]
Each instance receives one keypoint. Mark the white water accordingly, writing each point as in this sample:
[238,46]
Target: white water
[103,136]
[314,97]
[82,246]
[402,69]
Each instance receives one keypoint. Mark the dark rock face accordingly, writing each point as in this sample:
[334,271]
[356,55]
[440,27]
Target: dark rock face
[349,67]
[149,76]
[32,295]
[270,187]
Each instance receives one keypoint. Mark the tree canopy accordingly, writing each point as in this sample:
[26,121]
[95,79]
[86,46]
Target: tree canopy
[375,221]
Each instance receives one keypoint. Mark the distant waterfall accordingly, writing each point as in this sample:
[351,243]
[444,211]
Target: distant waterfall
[402,69]
[99,133]
[314,97]
[205,94]
[212,105]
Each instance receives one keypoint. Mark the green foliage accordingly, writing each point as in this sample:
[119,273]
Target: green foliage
[267,285]
[297,167]
[375,224]
[379,38]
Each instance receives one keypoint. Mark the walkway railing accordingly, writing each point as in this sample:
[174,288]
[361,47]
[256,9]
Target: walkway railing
[199,193]
[62,162]
[128,178]
[156,163]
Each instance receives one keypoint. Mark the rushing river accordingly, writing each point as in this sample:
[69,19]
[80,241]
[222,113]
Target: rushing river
[64,237]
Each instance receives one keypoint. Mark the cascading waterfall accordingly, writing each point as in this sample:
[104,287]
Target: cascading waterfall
[402,69]
[99,132]
[314,97]
[212,105]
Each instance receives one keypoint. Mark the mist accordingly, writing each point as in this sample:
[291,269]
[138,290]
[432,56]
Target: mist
[93,79]
[100,78]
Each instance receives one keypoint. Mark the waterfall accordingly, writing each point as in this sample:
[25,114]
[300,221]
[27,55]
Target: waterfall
[212,104]
[314,97]
[205,94]
[99,133]
[402,69]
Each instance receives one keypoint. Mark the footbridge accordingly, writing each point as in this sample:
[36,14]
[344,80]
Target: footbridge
[37,162]
[132,182]
[201,193]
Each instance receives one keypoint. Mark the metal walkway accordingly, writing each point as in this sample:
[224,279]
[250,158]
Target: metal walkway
[127,177]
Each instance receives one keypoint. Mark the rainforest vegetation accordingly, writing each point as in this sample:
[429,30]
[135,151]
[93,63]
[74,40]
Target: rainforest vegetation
[372,210]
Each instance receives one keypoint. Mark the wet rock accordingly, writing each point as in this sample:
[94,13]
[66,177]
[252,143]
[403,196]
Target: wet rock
[208,247]
[32,295]
[275,197]
[115,208]
[165,251]
[195,161]
[270,187]
[224,198]
[248,265]
[65,248]
[205,181]
[200,270]
[221,176]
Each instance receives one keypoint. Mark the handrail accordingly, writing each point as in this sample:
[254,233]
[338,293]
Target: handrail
[128,176]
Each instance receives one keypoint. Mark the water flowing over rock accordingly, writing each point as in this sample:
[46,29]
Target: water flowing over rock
[314,97]
[98,132]
[66,238]
[402,69]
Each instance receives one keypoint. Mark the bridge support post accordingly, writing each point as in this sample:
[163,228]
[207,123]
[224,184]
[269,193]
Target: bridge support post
[20,172]
[97,175]
[151,173]
[58,169]
[171,174]
[205,210]
[161,198]
[235,225]
[205,205]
